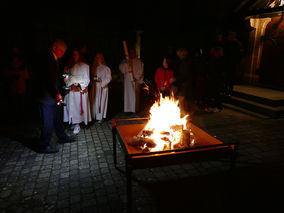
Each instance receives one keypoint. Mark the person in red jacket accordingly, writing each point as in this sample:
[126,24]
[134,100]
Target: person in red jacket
[164,77]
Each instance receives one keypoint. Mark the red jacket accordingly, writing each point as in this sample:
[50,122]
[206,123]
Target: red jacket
[164,78]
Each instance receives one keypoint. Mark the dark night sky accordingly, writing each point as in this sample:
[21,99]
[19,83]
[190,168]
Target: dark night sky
[104,24]
[149,15]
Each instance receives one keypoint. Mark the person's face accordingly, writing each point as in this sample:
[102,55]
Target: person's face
[83,50]
[59,51]
[181,54]
[165,64]
[100,59]
[132,54]
[219,37]
[76,56]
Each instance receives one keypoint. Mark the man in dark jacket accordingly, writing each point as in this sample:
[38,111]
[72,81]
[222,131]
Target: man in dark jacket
[233,51]
[49,94]
[184,79]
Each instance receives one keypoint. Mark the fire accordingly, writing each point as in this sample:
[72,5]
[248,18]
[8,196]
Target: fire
[166,124]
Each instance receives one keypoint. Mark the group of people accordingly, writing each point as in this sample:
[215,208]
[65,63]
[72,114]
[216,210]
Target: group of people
[80,105]
[201,81]
[81,92]
[88,99]
[52,92]
[76,93]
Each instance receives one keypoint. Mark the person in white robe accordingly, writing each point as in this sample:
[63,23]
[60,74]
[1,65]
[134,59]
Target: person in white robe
[133,71]
[102,76]
[77,109]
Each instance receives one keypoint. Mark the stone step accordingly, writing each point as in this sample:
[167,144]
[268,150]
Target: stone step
[269,97]
[245,111]
[255,106]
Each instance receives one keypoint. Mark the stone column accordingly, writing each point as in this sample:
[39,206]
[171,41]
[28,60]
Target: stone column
[256,42]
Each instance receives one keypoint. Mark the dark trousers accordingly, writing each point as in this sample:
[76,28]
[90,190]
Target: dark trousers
[51,118]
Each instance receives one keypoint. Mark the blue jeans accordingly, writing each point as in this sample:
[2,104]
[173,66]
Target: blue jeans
[51,118]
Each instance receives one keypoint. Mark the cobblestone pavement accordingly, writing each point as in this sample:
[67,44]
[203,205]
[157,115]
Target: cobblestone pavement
[82,176]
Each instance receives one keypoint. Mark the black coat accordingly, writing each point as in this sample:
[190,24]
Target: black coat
[184,77]
[49,80]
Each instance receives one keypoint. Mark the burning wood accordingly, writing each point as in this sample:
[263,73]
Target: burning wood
[166,129]
[185,140]
[146,133]
[141,142]
[144,141]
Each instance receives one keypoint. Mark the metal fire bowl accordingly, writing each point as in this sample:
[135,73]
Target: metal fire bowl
[206,146]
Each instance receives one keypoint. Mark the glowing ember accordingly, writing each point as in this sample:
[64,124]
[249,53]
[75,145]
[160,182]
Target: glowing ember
[166,129]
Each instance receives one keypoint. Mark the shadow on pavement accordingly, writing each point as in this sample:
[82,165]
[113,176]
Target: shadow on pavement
[248,189]
[23,126]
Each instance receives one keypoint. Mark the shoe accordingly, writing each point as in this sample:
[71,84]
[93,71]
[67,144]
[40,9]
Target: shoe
[76,129]
[67,139]
[73,126]
[101,121]
[48,150]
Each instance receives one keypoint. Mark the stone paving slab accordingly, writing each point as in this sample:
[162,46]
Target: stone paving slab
[82,176]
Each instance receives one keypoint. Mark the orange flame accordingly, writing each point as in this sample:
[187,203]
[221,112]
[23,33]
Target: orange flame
[165,118]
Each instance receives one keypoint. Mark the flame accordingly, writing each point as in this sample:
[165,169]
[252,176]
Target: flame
[274,4]
[165,118]
[146,88]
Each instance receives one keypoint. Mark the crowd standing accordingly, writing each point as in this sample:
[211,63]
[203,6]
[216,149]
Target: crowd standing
[78,95]
[204,78]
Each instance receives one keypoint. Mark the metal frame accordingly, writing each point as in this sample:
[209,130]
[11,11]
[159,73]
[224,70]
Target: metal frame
[168,157]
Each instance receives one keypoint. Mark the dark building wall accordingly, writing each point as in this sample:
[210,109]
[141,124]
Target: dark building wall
[271,69]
